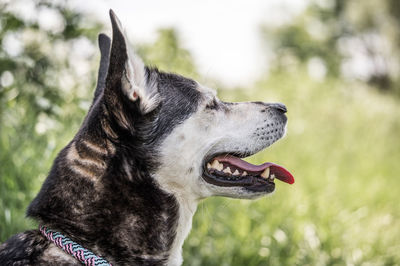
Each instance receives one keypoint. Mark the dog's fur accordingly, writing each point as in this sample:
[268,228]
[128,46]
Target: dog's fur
[127,185]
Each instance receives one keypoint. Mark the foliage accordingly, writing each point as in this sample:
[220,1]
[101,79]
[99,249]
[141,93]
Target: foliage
[348,38]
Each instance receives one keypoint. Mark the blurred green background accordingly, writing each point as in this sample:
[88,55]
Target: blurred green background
[342,146]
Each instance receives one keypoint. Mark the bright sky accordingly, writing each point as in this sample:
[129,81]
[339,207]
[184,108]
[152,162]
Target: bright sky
[222,35]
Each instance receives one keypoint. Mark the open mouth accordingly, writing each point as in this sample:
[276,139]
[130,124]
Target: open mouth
[228,171]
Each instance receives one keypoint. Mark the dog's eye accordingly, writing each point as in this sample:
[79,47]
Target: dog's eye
[213,105]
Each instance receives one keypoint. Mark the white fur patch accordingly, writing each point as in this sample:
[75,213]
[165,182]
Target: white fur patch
[135,86]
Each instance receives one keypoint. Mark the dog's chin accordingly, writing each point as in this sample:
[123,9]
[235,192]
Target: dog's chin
[228,175]
[236,192]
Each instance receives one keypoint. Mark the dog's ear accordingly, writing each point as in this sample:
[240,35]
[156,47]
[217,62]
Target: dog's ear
[104,45]
[126,72]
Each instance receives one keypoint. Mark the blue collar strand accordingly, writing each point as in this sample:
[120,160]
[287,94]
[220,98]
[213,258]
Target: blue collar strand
[80,253]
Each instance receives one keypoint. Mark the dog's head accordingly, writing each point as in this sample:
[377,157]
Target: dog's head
[191,140]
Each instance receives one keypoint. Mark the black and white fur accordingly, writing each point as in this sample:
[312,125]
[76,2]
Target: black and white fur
[128,184]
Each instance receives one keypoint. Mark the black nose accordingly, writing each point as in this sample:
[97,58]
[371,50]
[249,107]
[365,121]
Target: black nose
[278,106]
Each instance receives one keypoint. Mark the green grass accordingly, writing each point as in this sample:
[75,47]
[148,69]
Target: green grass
[343,148]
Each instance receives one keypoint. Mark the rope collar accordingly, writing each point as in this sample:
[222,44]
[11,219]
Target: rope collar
[80,253]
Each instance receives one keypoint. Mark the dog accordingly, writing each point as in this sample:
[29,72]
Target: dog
[152,145]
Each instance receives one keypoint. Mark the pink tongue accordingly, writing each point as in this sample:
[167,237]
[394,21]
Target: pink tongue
[279,172]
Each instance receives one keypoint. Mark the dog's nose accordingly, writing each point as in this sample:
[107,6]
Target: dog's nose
[278,106]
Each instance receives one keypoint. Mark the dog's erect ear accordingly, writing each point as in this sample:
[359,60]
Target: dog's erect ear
[104,45]
[127,73]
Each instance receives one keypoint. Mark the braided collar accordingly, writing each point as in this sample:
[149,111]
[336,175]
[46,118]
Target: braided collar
[80,253]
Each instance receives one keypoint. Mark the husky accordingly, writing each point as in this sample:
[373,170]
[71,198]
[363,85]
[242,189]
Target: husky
[152,145]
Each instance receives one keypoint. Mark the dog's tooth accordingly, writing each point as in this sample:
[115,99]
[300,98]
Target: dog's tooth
[265,174]
[227,170]
[272,177]
[236,172]
[220,166]
[244,173]
[215,164]
[208,165]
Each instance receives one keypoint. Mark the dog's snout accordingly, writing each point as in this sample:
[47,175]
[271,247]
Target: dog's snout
[278,106]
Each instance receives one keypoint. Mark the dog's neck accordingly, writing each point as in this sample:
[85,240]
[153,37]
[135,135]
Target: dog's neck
[100,197]
[187,207]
